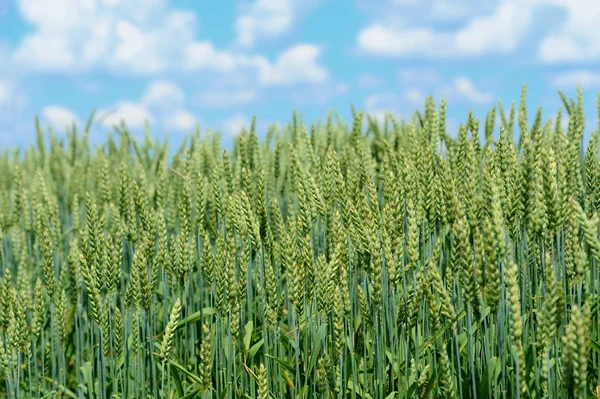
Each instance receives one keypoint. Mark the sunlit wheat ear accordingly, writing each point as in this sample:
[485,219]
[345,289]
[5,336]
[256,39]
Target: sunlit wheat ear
[118,328]
[205,356]
[576,351]
[169,334]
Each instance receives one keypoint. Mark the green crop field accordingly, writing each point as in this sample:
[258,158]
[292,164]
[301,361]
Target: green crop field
[377,261]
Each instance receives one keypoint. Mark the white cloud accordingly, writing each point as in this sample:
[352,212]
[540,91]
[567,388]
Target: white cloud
[136,36]
[485,30]
[225,97]
[496,33]
[570,80]
[147,37]
[203,55]
[48,52]
[264,18]
[183,120]
[465,88]
[415,97]
[577,39]
[234,125]
[59,117]
[378,105]
[381,40]
[410,99]
[134,45]
[297,64]
[379,100]
[162,101]
[134,114]
[499,32]
[163,93]
[380,114]
[150,38]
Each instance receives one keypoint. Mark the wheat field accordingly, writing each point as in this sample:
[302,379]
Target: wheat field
[400,260]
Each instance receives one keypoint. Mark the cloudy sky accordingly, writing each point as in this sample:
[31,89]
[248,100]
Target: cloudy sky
[216,63]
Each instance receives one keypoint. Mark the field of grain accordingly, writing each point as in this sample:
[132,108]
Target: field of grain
[400,260]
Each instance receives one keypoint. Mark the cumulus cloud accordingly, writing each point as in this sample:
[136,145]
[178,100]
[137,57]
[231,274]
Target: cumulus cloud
[268,19]
[382,40]
[412,98]
[147,37]
[182,120]
[381,99]
[264,18]
[295,65]
[234,125]
[465,88]
[380,104]
[576,40]
[500,30]
[203,55]
[570,80]
[163,93]
[60,117]
[415,97]
[134,114]
[136,36]
[162,102]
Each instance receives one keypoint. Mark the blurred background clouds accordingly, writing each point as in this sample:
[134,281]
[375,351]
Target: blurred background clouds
[180,64]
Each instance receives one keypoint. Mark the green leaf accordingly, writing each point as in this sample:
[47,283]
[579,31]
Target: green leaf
[283,364]
[185,371]
[255,348]
[315,355]
[175,375]
[195,317]
[358,390]
[248,336]
[86,371]
[62,388]
[192,394]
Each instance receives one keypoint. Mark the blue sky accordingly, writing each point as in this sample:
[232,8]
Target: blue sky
[217,63]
